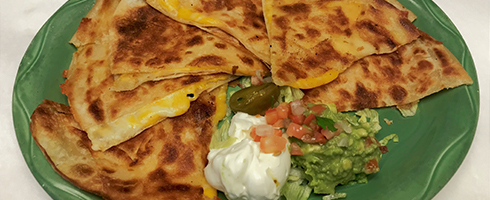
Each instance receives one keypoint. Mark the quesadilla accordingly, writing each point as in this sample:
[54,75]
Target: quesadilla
[398,5]
[243,20]
[314,41]
[95,25]
[166,161]
[146,46]
[414,71]
[110,117]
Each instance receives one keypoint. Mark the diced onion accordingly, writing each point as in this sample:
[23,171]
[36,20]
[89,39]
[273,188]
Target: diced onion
[344,142]
[297,107]
[268,79]
[264,130]
[345,126]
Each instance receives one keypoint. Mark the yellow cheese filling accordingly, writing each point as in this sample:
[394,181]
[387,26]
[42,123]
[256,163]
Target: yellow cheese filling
[312,82]
[127,126]
[174,7]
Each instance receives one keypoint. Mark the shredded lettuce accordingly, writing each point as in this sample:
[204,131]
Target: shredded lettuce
[409,109]
[288,94]
[220,138]
[373,122]
[296,187]
[246,81]
[385,140]
[334,196]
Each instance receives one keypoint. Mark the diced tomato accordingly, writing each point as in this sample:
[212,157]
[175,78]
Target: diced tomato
[327,133]
[277,132]
[307,138]
[298,119]
[286,122]
[296,130]
[309,119]
[317,109]
[272,144]
[371,140]
[271,116]
[283,110]
[255,80]
[371,166]
[320,138]
[254,135]
[383,149]
[295,149]
[367,142]
[314,126]
[279,124]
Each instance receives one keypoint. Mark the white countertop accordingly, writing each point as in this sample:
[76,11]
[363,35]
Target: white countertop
[20,21]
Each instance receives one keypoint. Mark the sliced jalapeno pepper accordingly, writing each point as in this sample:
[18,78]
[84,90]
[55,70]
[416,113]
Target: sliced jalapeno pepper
[255,99]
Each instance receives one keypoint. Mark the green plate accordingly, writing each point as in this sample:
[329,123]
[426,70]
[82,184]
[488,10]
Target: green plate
[432,144]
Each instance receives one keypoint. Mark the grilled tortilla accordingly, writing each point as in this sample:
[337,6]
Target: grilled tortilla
[110,117]
[166,161]
[95,25]
[414,71]
[146,45]
[313,41]
[242,19]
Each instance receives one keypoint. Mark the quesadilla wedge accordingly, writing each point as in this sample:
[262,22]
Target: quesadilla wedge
[146,45]
[166,161]
[414,71]
[110,117]
[314,41]
[410,15]
[242,20]
[95,25]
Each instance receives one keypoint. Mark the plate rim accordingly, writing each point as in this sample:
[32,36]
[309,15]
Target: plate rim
[36,45]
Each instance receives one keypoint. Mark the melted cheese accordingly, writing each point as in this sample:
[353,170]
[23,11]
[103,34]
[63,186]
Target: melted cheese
[220,104]
[174,7]
[127,126]
[130,81]
[210,191]
[312,82]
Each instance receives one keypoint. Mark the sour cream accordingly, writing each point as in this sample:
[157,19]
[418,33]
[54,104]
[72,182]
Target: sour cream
[241,171]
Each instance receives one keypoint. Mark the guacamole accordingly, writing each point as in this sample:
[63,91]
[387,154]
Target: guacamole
[346,158]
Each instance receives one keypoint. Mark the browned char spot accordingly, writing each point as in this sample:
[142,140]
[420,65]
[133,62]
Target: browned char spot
[282,22]
[220,45]
[398,93]
[376,34]
[192,79]
[408,25]
[234,69]
[82,170]
[96,110]
[196,40]
[442,57]
[171,153]
[424,65]
[297,8]
[364,98]
[344,94]
[154,61]
[247,60]
[313,33]
[208,60]
[289,68]
[89,51]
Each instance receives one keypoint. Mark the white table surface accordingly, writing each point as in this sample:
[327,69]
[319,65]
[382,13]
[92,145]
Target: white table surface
[20,21]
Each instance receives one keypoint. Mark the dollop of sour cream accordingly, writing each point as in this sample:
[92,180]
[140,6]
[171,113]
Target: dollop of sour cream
[241,171]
